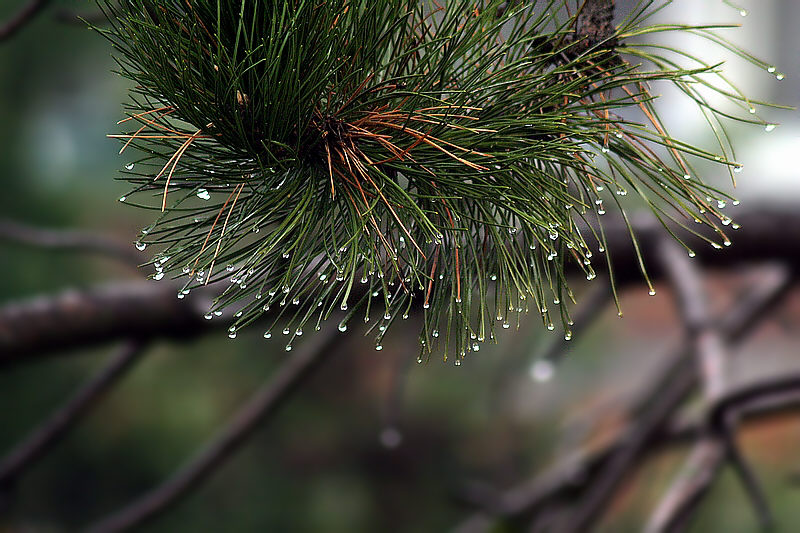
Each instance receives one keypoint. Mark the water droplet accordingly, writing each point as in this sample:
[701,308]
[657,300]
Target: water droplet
[770,127]
[122,198]
[780,76]
[140,245]
[771,69]
[652,292]
[542,370]
[159,276]
[286,331]
[378,348]
[268,335]
[743,12]
[208,316]
[298,332]
[288,347]
[738,168]
[232,335]
[129,166]
[203,194]
[691,253]
[687,177]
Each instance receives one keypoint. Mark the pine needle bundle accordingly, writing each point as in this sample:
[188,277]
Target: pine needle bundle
[355,158]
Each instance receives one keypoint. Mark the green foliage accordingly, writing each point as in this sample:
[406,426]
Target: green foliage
[363,155]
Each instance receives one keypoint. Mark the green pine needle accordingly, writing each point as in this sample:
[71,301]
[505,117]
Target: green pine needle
[357,157]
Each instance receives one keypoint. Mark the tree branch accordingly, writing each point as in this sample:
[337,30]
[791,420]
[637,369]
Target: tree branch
[54,427]
[145,310]
[259,409]
[576,474]
[717,444]
[138,310]
[68,240]
[24,16]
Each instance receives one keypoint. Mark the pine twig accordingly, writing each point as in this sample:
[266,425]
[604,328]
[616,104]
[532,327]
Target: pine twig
[54,427]
[258,410]
[21,18]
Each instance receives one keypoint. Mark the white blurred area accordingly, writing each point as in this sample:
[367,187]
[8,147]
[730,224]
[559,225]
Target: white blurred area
[769,30]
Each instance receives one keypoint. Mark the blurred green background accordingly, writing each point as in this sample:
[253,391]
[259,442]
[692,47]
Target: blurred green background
[322,464]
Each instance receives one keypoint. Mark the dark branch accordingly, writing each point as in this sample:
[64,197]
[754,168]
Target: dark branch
[146,310]
[68,240]
[19,20]
[568,480]
[80,318]
[49,432]
[261,406]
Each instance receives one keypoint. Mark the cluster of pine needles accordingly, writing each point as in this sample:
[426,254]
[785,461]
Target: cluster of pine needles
[357,158]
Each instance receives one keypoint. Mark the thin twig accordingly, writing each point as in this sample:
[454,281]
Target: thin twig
[68,240]
[54,427]
[261,406]
[579,472]
[717,444]
[21,18]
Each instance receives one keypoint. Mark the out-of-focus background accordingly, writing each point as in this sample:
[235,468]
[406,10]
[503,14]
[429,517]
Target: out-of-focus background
[372,443]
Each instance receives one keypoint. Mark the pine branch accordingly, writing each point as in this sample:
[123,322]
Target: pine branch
[444,153]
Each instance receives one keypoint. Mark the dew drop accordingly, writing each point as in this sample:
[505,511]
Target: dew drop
[268,335]
[542,370]
[129,166]
[203,194]
[140,245]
